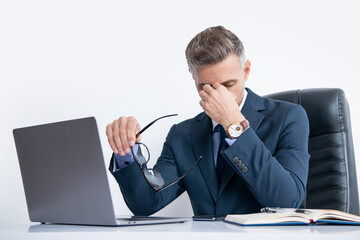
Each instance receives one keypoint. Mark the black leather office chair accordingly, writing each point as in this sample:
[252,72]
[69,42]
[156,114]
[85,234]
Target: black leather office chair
[332,182]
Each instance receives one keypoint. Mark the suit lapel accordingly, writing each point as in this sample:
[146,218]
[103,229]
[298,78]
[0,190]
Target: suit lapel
[252,112]
[202,146]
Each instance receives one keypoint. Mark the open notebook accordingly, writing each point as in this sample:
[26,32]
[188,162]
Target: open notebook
[293,217]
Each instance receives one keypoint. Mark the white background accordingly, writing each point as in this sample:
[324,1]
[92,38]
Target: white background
[62,60]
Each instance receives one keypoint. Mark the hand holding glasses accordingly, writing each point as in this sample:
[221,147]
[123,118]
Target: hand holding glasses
[142,156]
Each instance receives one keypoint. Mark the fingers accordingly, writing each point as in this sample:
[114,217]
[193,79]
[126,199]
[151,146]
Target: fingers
[204,95]
[138,139]
[121,134]
[208,89]
[202,103]
[217,85]
[132,126]
[137,130]
[109,134]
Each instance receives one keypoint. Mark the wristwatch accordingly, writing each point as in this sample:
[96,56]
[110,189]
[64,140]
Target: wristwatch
[235,129]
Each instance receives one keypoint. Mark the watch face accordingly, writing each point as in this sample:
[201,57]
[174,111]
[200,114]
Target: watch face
[235,130]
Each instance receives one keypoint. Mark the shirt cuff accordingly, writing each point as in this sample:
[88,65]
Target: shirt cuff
[123,161]
[230,141]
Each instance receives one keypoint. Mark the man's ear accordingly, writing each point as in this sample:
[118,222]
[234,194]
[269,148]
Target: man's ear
[247,67]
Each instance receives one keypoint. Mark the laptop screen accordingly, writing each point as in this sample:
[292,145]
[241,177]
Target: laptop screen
[64,174]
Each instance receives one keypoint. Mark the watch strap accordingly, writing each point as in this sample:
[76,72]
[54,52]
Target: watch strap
[245,124]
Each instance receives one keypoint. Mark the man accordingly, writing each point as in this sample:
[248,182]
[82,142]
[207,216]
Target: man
[263,160]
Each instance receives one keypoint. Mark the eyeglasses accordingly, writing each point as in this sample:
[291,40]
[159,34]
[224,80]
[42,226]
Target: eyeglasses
[142,156]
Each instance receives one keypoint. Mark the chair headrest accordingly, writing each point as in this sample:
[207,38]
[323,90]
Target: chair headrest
[327,108]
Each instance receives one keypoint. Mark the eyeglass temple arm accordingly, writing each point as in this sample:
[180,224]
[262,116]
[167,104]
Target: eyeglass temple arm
[186,173]
[147,126]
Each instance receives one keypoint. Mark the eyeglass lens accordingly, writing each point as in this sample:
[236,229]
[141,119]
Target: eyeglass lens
[154,178]
[142,154]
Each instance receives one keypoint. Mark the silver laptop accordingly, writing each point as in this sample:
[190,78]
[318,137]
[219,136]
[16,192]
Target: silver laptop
[64,176]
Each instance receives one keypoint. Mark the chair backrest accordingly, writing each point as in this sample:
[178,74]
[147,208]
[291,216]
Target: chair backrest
[332,181]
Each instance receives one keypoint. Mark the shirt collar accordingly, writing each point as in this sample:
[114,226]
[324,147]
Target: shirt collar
[214,124]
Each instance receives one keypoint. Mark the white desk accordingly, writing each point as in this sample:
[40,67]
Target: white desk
[182,231]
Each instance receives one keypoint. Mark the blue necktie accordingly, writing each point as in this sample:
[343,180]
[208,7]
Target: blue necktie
[220,164]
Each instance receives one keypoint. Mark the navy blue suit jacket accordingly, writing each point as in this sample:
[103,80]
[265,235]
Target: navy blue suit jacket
[266,166]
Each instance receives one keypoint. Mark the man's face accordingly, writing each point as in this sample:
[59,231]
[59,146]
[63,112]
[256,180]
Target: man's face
[228,72]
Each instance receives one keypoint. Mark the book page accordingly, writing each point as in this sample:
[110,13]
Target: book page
[268,218]
[320,214]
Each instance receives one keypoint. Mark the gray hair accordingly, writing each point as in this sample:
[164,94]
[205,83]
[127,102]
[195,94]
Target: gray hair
[212,46]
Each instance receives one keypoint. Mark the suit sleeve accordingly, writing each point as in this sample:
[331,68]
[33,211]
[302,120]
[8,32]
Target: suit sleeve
[140,198]
[278,179]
